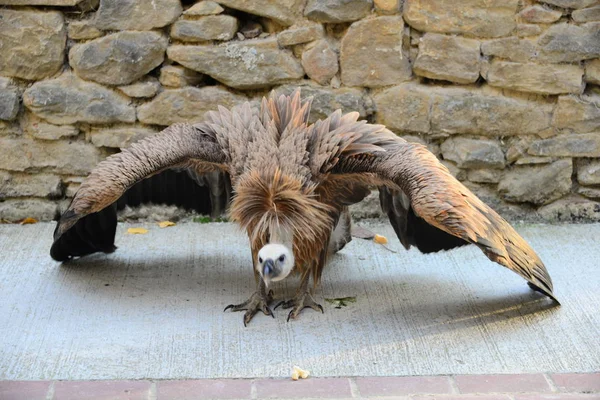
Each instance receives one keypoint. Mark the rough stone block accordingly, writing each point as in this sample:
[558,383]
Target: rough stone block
[146,87]
[586,14]
[404,108]
[592,71]
[479,18]
[577,113]
[64,157]
[538,14]
[25,185]
[578,145]
[588,172]
[448,58]
[65,3]
[473,153]
[336,11]
[571,209]
[186,105]
[510,48]
[68,99]
[9,103]
[119,136]
[285,12]
[212,27]
[83,30]
[576,4]
[387,6]
[18,209]
[178,76]
[485,175]
[537,184]
[205,7]
[320,62]
[301,33]
[248,64]
[40,129]
[569,42]
[371,53]
[483,111]
[327,100]
[119,58]
[536,78]
[136,15]
[32,43]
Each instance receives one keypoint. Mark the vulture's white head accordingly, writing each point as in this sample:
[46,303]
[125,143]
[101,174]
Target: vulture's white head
[275,262]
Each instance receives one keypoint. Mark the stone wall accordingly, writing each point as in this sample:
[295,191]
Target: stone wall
[505,92]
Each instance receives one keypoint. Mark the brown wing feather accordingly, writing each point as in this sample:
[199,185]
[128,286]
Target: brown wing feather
[180,146]
[443,202]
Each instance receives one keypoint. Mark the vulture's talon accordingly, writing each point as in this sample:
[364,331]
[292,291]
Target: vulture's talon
[299,303]
[257,302]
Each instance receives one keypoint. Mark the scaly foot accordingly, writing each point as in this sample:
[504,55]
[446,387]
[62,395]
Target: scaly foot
[259,301]
[298,303]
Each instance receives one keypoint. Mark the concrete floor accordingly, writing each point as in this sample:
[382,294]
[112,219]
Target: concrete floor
[154,309]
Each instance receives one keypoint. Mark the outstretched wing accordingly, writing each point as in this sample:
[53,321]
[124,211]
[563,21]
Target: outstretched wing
[182,165]
[426,205]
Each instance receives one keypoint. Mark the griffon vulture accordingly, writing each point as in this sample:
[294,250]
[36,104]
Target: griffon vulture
[288,184]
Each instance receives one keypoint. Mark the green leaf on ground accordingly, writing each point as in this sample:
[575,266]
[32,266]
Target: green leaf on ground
[207,220]
[340,302]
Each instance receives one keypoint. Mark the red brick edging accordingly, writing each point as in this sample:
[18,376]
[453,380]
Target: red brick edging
[459,387]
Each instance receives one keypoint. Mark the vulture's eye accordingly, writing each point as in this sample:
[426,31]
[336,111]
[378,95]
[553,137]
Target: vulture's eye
[281,258]
[260,260]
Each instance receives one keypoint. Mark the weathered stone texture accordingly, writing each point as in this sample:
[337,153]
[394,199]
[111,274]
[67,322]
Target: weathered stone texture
[63,157]
[18,209]
[137,15]
[9,103]
[68,99]
[571,3]
[387,6]
[588,172]
[569,42]
[538,14]
[536,78]
[119,136]
[32,43]
[537,184]
[205,7]
[589,192]
[336,11]
[119,58]
[571,209]
[371,53]
[25,185]
[485,175]
[327,100]
[586,14]
[40,129]
[577,113]
[578,145]
[212,27]
[510,48]
[525,30]
[83,30]
[178,76]
[186,105]
[473,153]
[449,58]
[487,112]
[146,87]
[320,62]
[249,64]
[479,18]
[285,12]
[592,71]
[301,33]
[404,108]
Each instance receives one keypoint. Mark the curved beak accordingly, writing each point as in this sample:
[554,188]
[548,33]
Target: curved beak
[267,272]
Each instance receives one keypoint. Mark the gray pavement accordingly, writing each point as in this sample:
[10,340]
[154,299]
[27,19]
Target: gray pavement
[154,309]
